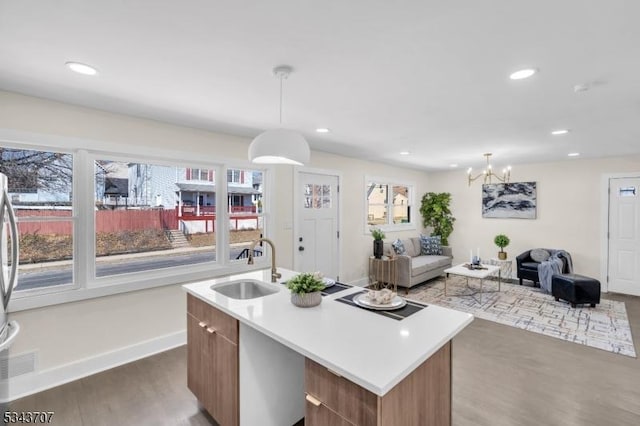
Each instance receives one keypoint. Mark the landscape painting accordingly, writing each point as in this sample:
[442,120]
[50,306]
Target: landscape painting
[509,200]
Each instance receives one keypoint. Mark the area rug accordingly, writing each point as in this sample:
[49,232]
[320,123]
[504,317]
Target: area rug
[604,327]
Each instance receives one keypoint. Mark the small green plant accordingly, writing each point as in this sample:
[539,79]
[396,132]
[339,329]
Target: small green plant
[501,241]
[306,282]
[377,234]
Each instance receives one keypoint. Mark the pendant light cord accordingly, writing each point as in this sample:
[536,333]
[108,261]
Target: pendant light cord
[281,100]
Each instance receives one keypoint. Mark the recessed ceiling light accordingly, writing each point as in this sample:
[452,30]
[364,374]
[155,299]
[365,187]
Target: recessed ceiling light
[573,154]
[322,130]
[81,68]
[524,73]
[560,132]
[453,165]
[404,153]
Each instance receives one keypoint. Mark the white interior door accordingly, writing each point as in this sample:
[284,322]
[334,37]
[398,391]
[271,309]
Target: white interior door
[316,245]
[624,235]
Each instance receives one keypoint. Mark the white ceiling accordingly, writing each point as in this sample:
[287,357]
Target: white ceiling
[426,76]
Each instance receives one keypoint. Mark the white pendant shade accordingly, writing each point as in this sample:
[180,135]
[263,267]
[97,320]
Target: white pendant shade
[279,146]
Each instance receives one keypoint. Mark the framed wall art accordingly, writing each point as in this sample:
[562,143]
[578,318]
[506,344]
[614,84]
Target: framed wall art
[517,200]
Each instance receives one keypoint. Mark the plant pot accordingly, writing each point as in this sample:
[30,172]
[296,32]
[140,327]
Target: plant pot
[378,248]
[502,255]
[306,300]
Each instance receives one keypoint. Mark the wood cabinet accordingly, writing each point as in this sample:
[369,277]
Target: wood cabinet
[212,360]
[422,398]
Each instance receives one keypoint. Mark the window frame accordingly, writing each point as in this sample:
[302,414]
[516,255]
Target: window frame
[390,183]
[85,285]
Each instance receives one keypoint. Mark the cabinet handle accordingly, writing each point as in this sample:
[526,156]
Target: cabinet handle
[203,324]
[211,330]
[315,401]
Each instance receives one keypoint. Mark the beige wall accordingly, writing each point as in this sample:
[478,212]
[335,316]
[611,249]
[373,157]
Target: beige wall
[67,333]
[357,245]
[568,215]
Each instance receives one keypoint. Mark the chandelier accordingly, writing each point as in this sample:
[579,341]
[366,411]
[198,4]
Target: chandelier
[488,173]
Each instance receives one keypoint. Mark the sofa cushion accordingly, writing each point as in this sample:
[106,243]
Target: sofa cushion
[539,255]
[430,245]
[412,246]
[398,246]
[422,264]
[530,265]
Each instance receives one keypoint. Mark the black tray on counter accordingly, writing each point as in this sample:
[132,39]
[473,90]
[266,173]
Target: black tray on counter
[398,314]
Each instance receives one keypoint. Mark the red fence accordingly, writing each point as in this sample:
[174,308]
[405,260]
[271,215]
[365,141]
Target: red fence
[106,221]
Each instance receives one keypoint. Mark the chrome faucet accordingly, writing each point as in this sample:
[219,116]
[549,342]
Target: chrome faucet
[274,272]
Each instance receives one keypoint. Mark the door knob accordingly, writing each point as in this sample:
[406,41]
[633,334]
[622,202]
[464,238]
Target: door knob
[300,248]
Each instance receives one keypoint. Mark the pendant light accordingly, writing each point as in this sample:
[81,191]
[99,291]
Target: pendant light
[280,146]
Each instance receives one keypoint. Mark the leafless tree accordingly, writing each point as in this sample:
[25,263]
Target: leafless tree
[30,170]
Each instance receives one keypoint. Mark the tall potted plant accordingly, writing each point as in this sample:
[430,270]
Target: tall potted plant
[378,244]
[437,214]
[501,241]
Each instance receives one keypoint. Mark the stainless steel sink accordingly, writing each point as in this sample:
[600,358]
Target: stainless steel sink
[244,289]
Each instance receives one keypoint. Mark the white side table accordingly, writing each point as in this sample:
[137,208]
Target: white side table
[506,267]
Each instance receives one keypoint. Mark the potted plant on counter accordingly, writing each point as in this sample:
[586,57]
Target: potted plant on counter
[305,289]
[501,241]
[378,244]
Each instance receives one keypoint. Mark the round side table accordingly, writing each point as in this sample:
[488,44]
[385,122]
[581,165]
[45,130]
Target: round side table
[383,273]
[506,267]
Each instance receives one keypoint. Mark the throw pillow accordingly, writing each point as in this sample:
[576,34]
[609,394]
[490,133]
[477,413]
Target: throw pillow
[540,255]
[430,245]
[398,246]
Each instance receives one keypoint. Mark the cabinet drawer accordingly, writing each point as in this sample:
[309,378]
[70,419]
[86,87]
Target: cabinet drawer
[323,416]
[225,325]
[354,403]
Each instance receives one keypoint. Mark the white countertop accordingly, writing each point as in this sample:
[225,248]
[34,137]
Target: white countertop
[372,350]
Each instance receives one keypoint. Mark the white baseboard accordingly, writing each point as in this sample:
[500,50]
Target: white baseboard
[38,381]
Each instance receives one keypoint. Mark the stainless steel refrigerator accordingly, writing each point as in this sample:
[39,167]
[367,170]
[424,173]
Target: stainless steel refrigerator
[9,241]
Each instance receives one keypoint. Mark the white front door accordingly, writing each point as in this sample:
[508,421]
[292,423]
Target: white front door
[316,242]
[624,235]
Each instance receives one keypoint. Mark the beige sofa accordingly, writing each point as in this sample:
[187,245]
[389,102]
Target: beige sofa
[415,268]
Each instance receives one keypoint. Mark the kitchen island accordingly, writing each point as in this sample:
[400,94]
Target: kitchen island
[265,361]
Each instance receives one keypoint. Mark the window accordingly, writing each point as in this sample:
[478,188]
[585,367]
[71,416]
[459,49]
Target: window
[146,219]
[199,174]
[246,214]
[235,176]
[388,204]
[40,185]
[93,224]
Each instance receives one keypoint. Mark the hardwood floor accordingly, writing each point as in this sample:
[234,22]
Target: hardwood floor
[501,376]
[151,391]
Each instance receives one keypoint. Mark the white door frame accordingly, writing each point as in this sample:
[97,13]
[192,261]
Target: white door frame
[297,207]
[604,224]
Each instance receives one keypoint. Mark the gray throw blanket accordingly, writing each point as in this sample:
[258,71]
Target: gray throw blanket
[551,266]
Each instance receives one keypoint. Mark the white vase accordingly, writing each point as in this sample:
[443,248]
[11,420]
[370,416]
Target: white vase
[306,300]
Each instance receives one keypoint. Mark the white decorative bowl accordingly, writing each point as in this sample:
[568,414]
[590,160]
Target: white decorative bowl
[306,300]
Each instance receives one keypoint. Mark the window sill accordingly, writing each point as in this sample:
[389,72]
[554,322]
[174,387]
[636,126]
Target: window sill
[128,284]
[399,227]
